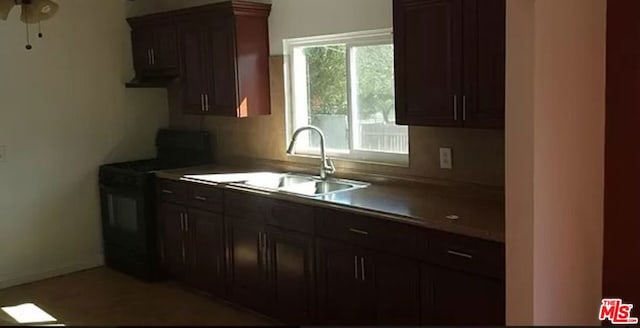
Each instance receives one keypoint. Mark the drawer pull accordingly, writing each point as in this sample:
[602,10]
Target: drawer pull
[166,191]
[360,232]
[200,198]
[454,253]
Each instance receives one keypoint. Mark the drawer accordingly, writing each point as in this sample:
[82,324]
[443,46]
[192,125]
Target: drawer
[172,191]
[466,254]
[368,232]
[207,198]
[290,216]
[243,205]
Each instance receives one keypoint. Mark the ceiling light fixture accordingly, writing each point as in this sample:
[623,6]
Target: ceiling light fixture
[33,12]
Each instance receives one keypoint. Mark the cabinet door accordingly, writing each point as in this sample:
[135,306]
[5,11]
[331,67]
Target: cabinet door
[458,298]
[165,48]
[247,263]
[173,248]
[397,286]
[222,90]
[291,266]
[194,34]
[484,63]
[344,298]
[428,55]
[206,251]
[141,43]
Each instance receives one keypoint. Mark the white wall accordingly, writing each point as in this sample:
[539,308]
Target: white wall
[300,18]
[555,161]
[63,112]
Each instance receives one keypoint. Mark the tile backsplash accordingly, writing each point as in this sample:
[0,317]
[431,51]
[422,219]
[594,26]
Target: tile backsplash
[478,155]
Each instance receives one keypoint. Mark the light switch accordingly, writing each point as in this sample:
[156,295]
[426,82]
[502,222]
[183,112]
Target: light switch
[446,159]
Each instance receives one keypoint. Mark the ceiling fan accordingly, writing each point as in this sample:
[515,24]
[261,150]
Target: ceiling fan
[33,12]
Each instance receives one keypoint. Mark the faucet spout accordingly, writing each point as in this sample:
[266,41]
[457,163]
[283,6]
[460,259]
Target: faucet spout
[326,167]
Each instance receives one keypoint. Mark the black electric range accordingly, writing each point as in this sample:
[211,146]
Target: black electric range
[127,193]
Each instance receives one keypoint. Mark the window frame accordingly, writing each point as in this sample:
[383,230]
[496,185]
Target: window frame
[350,40]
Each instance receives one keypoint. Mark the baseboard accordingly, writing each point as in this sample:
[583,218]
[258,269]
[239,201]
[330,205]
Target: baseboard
[26,278]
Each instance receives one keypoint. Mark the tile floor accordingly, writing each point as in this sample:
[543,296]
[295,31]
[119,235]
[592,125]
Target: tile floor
[108,298]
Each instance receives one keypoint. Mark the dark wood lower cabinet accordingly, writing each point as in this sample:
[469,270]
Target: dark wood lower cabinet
[345,296]
[397,290]
[291,275]
[457,298]
[206,251]
[264,255]
[192,246]
[172,243]
[247,263]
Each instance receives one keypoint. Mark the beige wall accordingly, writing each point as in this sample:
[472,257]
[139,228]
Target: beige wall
[64,111]
[478,154]
[555,160]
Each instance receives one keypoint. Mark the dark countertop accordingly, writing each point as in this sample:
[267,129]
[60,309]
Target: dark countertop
[481,214]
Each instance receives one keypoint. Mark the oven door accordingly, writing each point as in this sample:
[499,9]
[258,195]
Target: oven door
[124,216]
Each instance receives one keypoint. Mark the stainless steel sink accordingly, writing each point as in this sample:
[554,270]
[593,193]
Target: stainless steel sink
[302,185]
[276,181]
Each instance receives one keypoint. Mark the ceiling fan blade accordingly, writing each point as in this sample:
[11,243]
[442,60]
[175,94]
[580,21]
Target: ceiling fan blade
[5,8]
[38,11]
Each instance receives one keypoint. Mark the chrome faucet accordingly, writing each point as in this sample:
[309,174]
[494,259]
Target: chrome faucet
[326,167]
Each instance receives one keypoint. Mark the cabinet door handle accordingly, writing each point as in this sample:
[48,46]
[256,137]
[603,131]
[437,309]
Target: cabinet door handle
[184,255]
[464,108]
[153,57]
[200,198]
[355,267]
[455,107]
[459,254]
[186,222]
[206,102]
[181,221]
[360,232]
[166,191]
[218,265]
[149,56]
[202,102]
[162,254]
[364,278]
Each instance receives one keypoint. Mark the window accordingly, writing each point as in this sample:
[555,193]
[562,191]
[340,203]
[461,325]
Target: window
[344,85]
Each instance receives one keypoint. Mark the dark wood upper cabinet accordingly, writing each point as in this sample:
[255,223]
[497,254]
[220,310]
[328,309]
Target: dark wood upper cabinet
[428,54]
[484,63]
[219,51]
[233,42]
[155,47]
[194,64]
[450,62]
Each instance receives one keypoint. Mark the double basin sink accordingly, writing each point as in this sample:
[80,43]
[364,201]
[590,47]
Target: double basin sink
[290,183]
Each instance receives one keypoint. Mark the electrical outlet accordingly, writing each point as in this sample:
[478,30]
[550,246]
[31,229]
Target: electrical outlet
[3,154]
[446,159]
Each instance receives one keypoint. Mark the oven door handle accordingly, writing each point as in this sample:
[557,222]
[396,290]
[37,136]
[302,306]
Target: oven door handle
[126,191]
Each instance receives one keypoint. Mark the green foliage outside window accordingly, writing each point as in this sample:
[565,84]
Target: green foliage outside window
[327,81]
